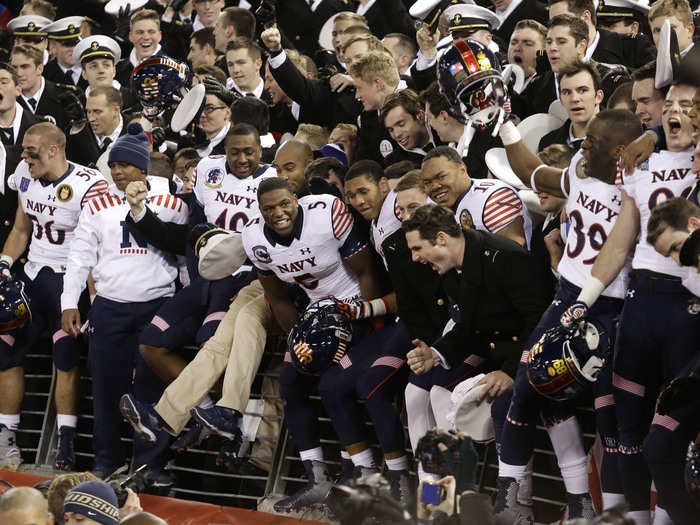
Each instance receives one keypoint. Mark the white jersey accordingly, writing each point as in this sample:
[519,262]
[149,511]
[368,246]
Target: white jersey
[491,205]
[126,268]
[667,176]
[323,236]
[592,207]
[228,202]
[54,208]
[386,224]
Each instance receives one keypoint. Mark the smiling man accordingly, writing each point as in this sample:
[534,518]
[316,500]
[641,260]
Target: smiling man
[52,194]
[579,85]
[404,119]
[648,100]
[244,59]
[145,35]
[291,160]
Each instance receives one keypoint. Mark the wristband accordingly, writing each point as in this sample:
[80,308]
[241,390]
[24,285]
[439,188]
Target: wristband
[591,290]
[6,259]
[378,307]
[532,176]
[509,134]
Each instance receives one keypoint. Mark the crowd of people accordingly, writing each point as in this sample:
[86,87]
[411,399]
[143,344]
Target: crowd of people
[413,194]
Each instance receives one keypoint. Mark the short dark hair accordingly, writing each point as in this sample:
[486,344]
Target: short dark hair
[160,165]
[11,70]
[253,111]
[438,102]
[112,94]
[371,168]
[187,153]
[242,20]
[272,184]
[621,95]
[673,213]
[412,179]
[211,71]
[648,70]
[405,44]
[430,219]
[399,169]
[204,36]
[254,50]
[577,7]
[243,128]
[406,98]
[624,125]
[321,167]
[577,67]
[577,27]
[444,151]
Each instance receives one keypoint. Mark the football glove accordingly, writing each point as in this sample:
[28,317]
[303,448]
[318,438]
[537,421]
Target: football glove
[573,314]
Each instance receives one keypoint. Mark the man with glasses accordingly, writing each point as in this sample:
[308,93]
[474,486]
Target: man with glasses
[215,121]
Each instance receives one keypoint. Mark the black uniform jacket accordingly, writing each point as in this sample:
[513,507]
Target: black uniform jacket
[501,293]
[421,299]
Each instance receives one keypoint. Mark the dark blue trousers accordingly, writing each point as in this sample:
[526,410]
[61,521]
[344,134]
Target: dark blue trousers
[117,368]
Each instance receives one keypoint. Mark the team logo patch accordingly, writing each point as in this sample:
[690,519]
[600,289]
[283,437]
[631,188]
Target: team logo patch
[385,147]
[21,310]
[24,184]
[213,178]
[465,219]
[303,352]
[64,192]
[261,254]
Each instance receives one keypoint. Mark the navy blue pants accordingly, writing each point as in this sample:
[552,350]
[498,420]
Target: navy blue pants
[659,335]
[44,293]
[665,449]
[118,368]
[194,313]
[373,371]
[517,436]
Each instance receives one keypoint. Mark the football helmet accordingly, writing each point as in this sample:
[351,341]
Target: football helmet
[321,335]
[692,473]
[160,83]
[15,310]
[469,76]
[566,360]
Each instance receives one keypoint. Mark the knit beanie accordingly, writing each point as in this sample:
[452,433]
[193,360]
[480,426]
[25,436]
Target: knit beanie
[95,500]
[132,148]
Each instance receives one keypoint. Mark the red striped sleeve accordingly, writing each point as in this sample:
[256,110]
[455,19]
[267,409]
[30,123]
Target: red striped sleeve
[166,204]
[159,200]
[102,200]
[96,189]
[341,218]
[501,208]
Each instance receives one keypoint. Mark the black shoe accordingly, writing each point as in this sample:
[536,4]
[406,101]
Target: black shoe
[220,420]
[233,452]
[347,472]
[580,506]
[313,494]
[193,437]
[142,417]
[65,453]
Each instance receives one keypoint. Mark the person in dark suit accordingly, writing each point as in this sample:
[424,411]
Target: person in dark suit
[497,284]
[64,35]
[604,46]
[14,119]
[509,16]
[39,96]
[403,117]
[8,196]
[301,23]
[320,104]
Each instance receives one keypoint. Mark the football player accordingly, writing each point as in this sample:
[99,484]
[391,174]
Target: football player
[52,192]
[656,302]
[313,242]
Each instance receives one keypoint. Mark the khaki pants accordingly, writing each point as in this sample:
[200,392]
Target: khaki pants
[243,328]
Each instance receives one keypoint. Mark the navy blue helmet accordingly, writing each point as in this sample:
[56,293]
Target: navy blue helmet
[15,309]
[469,75]
[566,360]
[321,335]
[158,82]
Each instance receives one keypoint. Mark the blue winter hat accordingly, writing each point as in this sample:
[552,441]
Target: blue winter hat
[95,500]
[132,148]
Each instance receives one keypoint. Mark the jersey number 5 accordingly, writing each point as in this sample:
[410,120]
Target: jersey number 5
[307,280]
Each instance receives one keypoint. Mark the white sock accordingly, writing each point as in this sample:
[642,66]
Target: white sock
[525,486]
[573,461]
[640,517]
[344,454]
[610,499]
[206,402]
[397,463]
[11,421]
[363,459]
[315,454]
[441,401]
[517,472]
[661,517]
[66,420]
[420,415]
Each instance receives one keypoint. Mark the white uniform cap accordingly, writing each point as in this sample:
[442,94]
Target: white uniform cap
[471,17]
[28,25]
[97,46]
[67,28]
